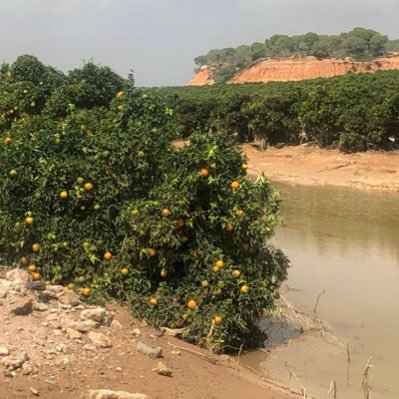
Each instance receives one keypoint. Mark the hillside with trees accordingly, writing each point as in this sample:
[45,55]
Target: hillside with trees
[359,44]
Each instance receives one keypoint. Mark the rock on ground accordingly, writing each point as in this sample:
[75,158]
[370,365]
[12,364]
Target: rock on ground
[106,394]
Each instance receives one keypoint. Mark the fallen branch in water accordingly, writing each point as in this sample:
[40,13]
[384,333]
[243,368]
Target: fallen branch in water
[308,323]
[365,382]
[292,373]
[348,355]
[317,301]
[333,388]
[275,385]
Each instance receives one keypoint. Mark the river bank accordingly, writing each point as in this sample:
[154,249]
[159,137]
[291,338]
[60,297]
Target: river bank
[54,346]
[311,165]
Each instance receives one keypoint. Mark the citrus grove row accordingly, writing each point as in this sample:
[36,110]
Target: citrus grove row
[96,195]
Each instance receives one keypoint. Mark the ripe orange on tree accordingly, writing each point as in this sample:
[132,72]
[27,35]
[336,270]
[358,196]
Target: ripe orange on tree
[86,291]
[229,227]
[151,252]
[219,263]
[88,186]
[36,247]
[236,273]
[165,212]
[163,272]
[153,301]
[32,267]
[36,276]
[204,172]
[192,304]
[107,256]
[217,319]
[235,185]
[239,212]
[124,271]
[7,140]
[29,220]
[244,289]
[119,94]
[244,166]
[64,195]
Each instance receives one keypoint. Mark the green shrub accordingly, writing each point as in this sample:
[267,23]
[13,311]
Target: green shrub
[116,207]
[352,142]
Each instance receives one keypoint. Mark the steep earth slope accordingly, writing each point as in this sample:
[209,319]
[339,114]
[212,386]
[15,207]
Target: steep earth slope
[298,68]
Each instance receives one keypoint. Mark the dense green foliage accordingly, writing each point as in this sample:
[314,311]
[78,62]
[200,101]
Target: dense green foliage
[95,195]
[359,44]
[354,112]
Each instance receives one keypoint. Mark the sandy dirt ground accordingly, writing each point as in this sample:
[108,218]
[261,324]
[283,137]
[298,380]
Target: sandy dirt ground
[54,348]
[310,165]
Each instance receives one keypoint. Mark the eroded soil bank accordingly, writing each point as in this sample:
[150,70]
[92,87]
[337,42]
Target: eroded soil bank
[310,165]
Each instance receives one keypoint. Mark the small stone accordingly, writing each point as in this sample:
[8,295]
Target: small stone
[90,347]
[136,332]
[100,339]
[52,317]
[108,319]
[57,332]
[18,274]
[14,362]
[3,351]
[34,391]
[107,394]
[18,286]
[40,307]
[73,334]
[28,369]
[56,289]
[148,350]
[116,325]
[96,314]
[65,306]
[83,326]
[69,298]
[119,369]
[163,369]
[178,353]
[51,381]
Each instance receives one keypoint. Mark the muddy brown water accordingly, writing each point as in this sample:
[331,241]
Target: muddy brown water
[345,242]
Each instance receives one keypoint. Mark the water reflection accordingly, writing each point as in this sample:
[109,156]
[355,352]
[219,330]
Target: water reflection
[345,242]
[340,217]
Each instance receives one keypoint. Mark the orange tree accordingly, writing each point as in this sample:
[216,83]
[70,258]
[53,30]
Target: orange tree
[96,195]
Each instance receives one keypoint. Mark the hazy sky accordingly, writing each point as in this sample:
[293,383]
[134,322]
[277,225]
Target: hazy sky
[159,39]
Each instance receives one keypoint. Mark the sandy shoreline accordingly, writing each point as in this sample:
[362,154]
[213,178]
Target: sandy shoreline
[310,165]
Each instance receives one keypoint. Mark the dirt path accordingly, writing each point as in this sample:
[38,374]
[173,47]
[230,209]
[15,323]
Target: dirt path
[310,165]
[54,346]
